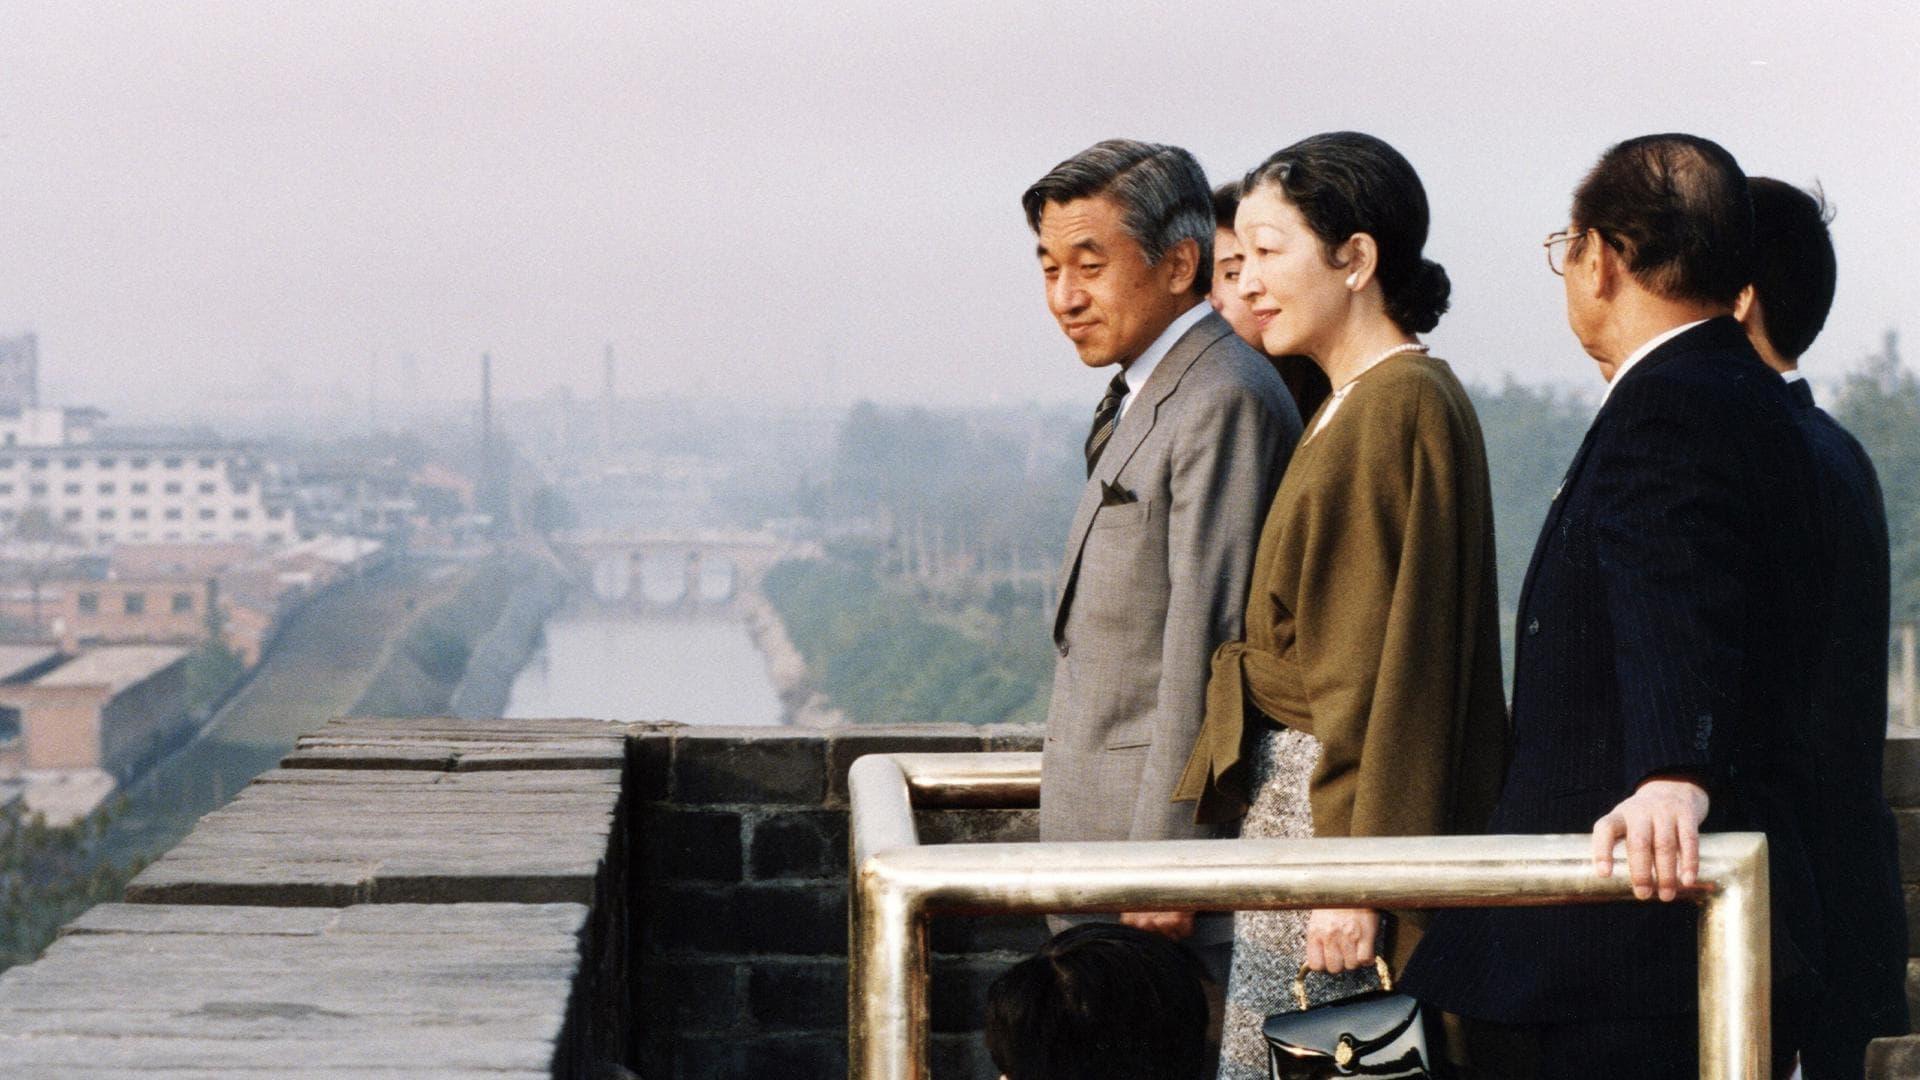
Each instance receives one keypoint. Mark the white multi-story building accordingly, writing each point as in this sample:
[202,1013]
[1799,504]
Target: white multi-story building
[36,426]
[103,493]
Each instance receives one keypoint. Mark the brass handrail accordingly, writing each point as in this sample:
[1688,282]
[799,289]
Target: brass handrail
[898,885]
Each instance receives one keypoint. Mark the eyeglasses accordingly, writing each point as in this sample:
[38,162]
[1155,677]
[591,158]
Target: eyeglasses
[1556,254]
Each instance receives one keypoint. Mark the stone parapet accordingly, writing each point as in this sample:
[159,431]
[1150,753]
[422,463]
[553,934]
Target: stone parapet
[401,899]
[1899,1059]
[507,898]
[541,898]
[741,836]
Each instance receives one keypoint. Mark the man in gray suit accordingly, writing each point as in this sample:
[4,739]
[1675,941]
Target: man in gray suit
[1184,454]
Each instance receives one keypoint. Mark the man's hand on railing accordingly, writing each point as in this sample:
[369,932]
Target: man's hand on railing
[1176,925]
[1341,939]
[1660,822]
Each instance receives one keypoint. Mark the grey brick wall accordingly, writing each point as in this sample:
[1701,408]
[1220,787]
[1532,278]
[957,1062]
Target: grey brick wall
[1899,1059]
[741,837]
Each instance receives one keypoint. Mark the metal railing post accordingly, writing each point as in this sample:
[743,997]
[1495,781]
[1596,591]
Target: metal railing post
[897,885]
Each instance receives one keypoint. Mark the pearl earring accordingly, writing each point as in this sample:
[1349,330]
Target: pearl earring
[1353,279]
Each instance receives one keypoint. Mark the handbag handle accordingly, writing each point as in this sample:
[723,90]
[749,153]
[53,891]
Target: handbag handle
[1300,981]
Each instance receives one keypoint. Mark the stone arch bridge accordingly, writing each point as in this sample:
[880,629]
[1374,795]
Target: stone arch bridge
[657,570]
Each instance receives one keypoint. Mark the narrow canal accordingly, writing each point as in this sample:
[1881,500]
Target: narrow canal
[696,669]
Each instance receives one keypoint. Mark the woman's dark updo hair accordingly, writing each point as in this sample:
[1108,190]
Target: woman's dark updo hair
[1345,182]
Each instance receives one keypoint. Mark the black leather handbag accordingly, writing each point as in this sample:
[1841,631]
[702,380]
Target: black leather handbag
[1379,1035]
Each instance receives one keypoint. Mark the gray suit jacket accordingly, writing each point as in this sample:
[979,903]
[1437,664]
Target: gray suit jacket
[1149,587]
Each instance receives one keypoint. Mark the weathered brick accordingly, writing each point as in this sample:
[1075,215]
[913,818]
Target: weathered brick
[800,844]
[699,1057]
[960,1057]
[799,995]
[1900,772]
[844,750]
[1018,934]
[649,764]
[977,826]
[656,1051]
[775,1057]
[1913,993]
[691,845]
[690,920]
[695,997]
[1016,738]
[789,769]
[1893,1059]
[790,920]
[800,1057]
[1908,822]
[959,992]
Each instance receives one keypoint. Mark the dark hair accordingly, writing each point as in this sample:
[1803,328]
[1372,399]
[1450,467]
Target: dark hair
[1345,182]
[1676,207]
[1161,190]
[1100,1001]
[1226,203]
[1793,264]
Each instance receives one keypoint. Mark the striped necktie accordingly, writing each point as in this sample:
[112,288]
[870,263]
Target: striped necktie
[1106,416]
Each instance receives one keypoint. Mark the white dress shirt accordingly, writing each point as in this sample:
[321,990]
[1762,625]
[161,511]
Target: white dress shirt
[1640,354]
[1142,367]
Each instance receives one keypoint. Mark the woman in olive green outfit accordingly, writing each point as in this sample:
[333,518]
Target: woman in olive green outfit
[1366,697]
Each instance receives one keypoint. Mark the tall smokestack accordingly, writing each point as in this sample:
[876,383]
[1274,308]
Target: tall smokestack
[607,404]
[486,413]
[490,492]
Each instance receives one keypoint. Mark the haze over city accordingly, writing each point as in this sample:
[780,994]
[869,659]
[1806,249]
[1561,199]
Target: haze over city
[209,210]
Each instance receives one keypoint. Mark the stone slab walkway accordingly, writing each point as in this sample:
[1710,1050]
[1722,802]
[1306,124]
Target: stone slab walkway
[402,898]
[387,990]
[398,811]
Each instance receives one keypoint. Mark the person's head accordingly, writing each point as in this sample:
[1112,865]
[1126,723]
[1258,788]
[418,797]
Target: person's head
[1126,241]
[1662,223]
[1786,304]
[1100,1001]
[1332,229]
[1225,293]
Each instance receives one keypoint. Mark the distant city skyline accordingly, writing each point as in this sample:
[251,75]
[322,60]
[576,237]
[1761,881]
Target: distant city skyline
[213,210]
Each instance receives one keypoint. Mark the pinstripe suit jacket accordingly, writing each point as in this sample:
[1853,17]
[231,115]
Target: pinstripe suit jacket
[1657,633]
[1856,857]
[1148,588]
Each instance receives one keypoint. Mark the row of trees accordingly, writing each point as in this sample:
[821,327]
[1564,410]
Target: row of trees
[1880,404]
[983,491]
[885,652]
[48,876]
[976,495]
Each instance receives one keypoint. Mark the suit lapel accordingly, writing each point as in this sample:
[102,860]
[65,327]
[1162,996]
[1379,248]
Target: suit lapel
[1560,498]
[1127,437]
[1166,377]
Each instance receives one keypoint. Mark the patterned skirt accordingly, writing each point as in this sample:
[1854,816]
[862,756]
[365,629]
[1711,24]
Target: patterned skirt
[1268,946]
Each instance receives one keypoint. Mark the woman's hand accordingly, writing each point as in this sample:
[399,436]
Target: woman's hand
[1175,925]
[1341,939]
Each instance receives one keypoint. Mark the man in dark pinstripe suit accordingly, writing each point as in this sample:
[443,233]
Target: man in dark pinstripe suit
[1855,849]
[1656,692]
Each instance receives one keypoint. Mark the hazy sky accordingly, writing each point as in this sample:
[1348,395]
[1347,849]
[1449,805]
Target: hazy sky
[206,204]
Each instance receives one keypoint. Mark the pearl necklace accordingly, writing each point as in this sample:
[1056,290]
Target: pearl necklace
[1340,395]
[1407,347]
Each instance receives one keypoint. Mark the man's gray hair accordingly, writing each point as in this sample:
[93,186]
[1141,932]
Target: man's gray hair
[1161,190]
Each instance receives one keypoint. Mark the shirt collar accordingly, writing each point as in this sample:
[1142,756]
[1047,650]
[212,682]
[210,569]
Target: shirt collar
[1640,354]
[1793,376]
[1142,367]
